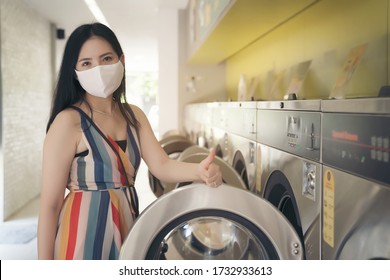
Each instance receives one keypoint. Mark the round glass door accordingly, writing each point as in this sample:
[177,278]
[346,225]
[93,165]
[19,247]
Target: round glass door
[211,238]
[199,222]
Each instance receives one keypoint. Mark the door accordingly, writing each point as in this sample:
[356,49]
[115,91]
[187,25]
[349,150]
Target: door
[200,222]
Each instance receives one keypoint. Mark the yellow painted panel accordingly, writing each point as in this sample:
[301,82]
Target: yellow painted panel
[324,34]
[243,23]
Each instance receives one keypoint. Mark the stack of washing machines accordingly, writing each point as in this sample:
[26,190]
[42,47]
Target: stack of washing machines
[206,123]
[318,168]
[275,148]
[228,222]
[197,123]
[322,163]
[194,144]
[229,128]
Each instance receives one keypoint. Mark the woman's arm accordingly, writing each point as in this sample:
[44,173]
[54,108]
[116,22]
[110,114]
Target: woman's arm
[58,151]
[167,169]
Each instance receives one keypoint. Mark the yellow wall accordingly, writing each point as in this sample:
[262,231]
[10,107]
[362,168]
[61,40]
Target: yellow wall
[324,33]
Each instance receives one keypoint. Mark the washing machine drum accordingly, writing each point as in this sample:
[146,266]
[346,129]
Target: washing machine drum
[200,222]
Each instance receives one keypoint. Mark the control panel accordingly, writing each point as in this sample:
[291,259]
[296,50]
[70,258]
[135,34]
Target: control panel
[358,143]
[296,132]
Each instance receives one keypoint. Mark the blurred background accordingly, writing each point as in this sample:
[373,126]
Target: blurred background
[177,52]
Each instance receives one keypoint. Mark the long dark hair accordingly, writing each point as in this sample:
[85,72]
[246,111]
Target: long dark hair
[68,90]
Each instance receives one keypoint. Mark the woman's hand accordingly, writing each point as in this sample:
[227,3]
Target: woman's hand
[210,172]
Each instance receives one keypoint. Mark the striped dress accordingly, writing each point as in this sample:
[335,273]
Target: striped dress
[102,202]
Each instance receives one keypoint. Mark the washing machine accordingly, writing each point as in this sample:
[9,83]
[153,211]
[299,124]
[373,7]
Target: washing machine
[221,143]
[208,126]
[191,126]
[242,141]
[196,154]
[204,119]
[219,133]
[197,120]
[202,223]
[175,132]
[289,166]
[356,181]
[173,145]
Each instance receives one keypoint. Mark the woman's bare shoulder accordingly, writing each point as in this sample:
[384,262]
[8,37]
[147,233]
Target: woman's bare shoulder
[66,119]
[136,109]
[139,114]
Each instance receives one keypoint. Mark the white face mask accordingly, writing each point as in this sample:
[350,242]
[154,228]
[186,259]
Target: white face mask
[103,80]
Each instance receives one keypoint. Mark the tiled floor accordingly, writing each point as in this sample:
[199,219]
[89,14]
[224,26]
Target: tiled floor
[29,215]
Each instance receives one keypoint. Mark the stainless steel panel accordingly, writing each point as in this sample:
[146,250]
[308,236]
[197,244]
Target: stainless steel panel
[241,119]
[242,104]
[243,159]
[293,131]
[299,173]
[161,215]
[296,105]
[359,105]
[221,143]
[359,226]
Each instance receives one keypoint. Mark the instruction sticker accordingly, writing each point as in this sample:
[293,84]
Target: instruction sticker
[328,208]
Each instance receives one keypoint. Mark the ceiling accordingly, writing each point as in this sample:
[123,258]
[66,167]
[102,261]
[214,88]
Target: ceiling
[133,21]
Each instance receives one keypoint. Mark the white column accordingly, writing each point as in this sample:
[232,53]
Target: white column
[168,51]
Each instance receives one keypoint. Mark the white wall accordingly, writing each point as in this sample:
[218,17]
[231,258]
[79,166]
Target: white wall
[168,52]
[174,72]
[27,85]
[209,82]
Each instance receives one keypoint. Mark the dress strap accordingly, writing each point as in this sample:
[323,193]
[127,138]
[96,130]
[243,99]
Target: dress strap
[133,194]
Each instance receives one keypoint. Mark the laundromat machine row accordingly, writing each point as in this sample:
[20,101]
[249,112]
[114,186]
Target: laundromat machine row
[303,179]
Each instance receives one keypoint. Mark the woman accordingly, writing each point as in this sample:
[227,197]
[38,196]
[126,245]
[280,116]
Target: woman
[93,147]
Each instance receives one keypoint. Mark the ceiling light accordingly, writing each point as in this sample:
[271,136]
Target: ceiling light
[95,10]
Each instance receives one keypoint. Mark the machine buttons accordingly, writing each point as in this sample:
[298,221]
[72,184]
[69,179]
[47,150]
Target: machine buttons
[295,250]
[373,141]
[386,143]
[373,154]
[379,155]
[380,148]
[386,150]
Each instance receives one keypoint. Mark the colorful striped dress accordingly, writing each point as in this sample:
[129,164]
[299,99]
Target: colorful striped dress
[102,202]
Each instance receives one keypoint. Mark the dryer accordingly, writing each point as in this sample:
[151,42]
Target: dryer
[197,121]
[220,139]
[191,126]
[205,119]
[229,174]
[200,222]
[196,154]
[289,165]
[241,126]
[173,145]
[356,181]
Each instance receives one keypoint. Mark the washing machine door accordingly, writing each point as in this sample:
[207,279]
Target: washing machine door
[173,145]
[199,222]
